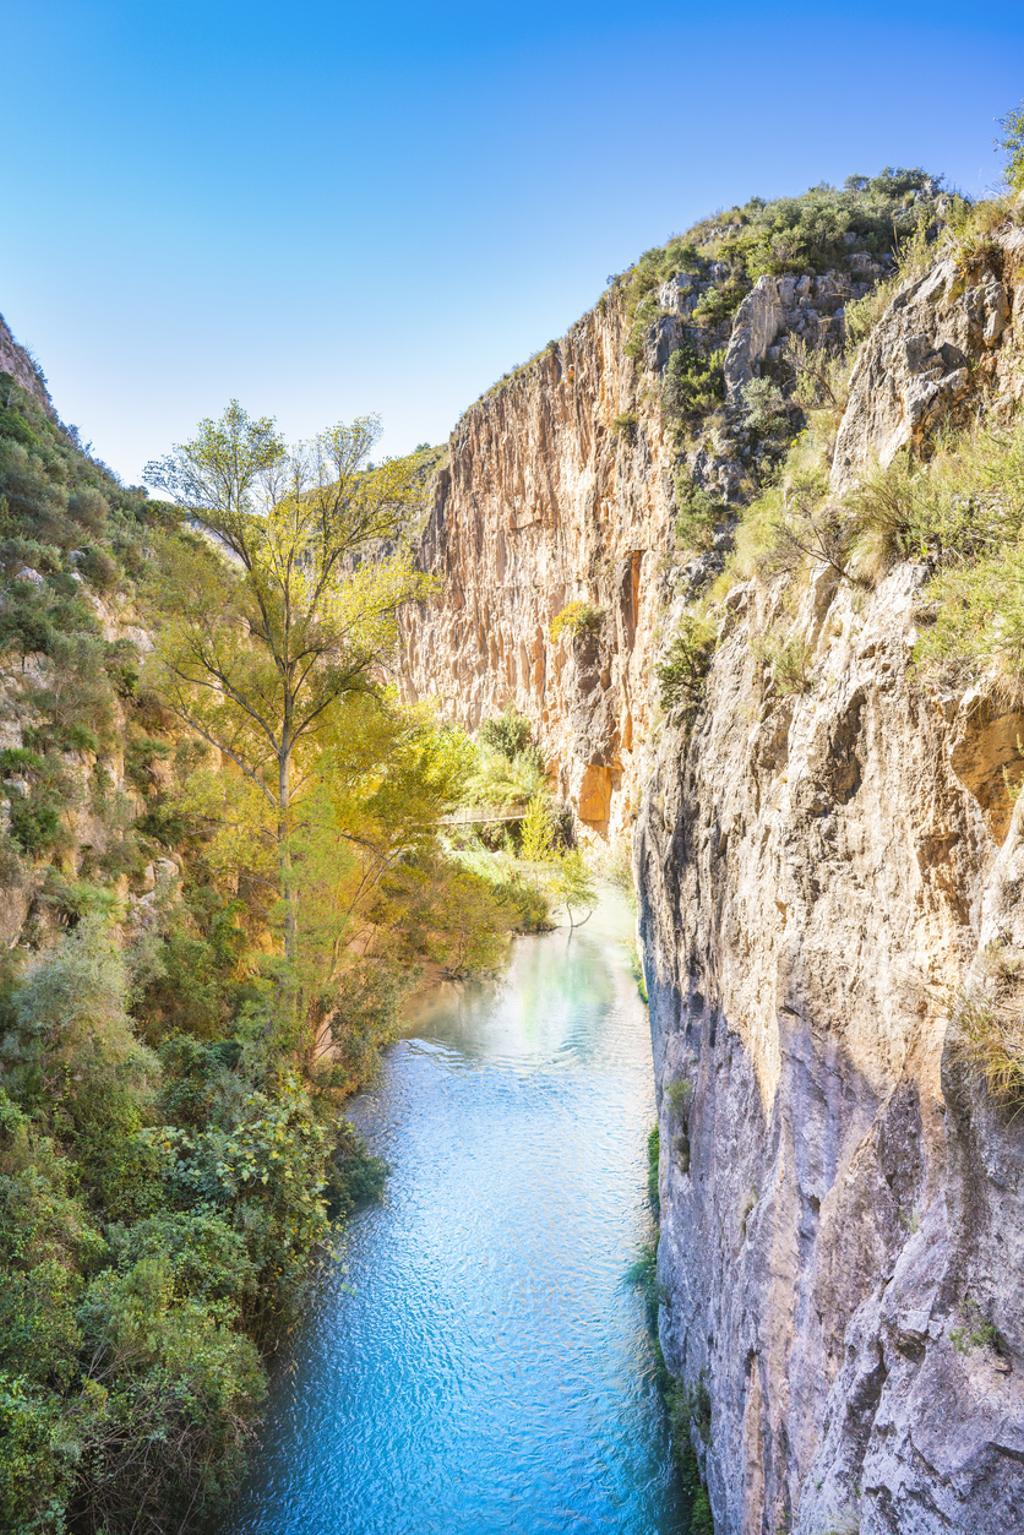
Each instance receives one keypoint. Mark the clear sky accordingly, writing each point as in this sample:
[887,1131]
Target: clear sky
[327,209]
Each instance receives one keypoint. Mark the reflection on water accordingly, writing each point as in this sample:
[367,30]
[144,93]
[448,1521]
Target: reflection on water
[482,1366]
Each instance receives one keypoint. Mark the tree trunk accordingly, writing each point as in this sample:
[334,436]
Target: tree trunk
[289,895]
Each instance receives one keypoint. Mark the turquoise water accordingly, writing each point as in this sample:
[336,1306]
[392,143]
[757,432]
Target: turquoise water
[483,1365]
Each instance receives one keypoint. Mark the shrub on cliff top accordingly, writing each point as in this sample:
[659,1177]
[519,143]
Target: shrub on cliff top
[817,231]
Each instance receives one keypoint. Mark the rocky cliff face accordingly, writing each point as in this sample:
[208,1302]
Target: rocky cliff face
[823,875]
[825,872]
[558,489]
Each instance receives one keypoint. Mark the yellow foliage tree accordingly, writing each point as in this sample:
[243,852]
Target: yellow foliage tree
[260,649]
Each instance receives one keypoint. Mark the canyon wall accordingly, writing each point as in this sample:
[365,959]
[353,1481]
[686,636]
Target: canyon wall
[823,871]
[557,490]
[823,875]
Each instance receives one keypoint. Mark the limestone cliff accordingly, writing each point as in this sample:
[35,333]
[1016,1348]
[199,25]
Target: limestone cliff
[825,872]
[554,492]
[822,875]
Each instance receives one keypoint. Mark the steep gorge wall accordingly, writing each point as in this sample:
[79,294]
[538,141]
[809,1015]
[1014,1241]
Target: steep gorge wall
[545,501]
[821,874]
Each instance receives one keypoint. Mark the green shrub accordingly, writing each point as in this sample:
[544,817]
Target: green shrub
[122,667]
[576,619]
[683,671]
[510,733]
[692,384]
[505,782]
[699,513]
[653,1156]
[678,1093]
[19,759]
[207,1259]
[35,824]
[1013,144]
[25,625]
[636,970]
[537,830]
[75,898]
[90,509]
[100,568]
[77,737]
[642,1275]
[167,1370]
[37,1459]
[765,413]
[701,1522]
[719,302]
[140,755]
[789,662]
[527,899]
[356,1177]
[626,425]
[688,1410]
[977,1330]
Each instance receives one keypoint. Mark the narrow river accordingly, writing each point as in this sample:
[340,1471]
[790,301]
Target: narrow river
[483,1365]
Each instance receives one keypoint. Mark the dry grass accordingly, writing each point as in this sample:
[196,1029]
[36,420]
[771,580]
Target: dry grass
[990,1019]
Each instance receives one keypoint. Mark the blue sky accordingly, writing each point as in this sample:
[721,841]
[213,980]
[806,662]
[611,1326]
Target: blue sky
[327,209]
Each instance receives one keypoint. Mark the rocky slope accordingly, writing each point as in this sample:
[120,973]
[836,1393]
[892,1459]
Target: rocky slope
[25,371]
[73,638]
[825,871]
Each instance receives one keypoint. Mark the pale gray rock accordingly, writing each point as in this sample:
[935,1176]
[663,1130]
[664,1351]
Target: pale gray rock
[915,367]
[839,1200]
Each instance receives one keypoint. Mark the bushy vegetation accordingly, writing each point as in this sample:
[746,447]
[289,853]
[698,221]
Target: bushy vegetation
[524,850]
[699,514]
[200,980]
[816,232]
[653,1155]
[1012,144]
[575,619]
[683,669]
[693,384]
[959,513]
